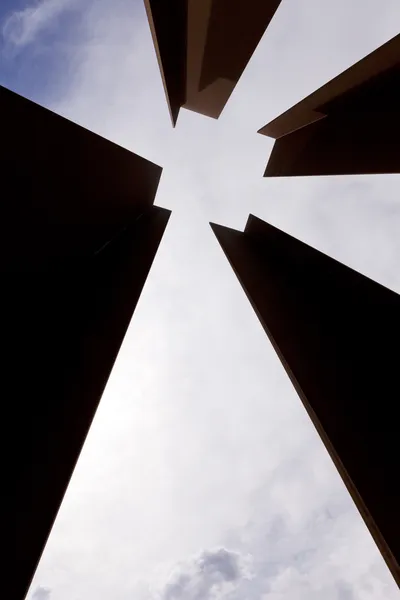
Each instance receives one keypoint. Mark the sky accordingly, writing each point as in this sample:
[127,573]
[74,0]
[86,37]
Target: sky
[202,477]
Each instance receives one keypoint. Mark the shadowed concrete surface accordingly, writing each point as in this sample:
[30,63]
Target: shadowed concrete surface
[203,47]
[336,333]
[351,125]
[168,25]
[79,233]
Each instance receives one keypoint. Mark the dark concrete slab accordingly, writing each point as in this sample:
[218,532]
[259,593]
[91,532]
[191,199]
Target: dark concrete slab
[78,236]
[337,334]
[351,125]
[203,47]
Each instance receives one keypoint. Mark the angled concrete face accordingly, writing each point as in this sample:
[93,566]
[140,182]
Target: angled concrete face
[337,334]
[168,26]
[351,125]
[79,233]
[203,47]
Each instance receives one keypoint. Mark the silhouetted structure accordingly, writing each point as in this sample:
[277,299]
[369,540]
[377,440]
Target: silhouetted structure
[336,333]
[351,125]
[78,235]
[203,47]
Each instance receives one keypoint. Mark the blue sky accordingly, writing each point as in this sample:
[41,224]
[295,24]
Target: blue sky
[202,477]
[32,67]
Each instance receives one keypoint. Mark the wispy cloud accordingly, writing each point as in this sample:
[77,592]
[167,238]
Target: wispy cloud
[22,27]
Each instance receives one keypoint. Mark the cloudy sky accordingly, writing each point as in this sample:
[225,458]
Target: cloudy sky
[202,477]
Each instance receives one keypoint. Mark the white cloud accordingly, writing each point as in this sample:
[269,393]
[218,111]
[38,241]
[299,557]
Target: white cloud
[212,575]
[23,27]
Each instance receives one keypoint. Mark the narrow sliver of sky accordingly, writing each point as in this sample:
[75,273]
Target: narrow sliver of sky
[202,477]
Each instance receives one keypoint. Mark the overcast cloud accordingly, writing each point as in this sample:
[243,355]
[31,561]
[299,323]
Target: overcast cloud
[202,477]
